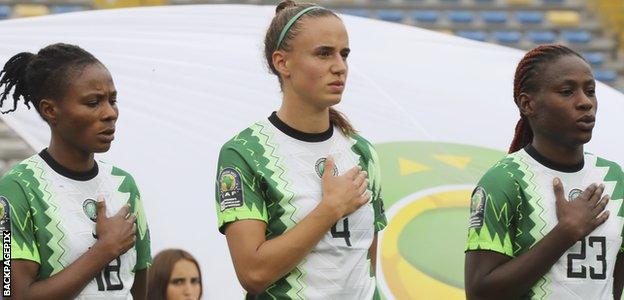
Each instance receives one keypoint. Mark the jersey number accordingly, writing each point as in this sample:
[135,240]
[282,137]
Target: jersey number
[593,241]
[345,233]
[105,274]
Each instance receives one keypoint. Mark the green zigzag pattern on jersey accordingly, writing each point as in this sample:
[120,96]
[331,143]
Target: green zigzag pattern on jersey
[292,284]
[55,247]
[365,150]
[19,172]
[615,176]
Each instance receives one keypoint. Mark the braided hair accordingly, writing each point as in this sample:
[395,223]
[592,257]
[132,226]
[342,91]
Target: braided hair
[33,77]
[526,81]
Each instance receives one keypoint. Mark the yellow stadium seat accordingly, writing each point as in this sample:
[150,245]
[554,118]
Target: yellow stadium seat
[446,31]
[563,17]
[116,3]
[30,10]
[521,2]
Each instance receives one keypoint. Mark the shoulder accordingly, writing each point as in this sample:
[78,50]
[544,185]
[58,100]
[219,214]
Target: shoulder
[603,162]
[502,174]
[128,183]
[247,141]
[20,172]
[363,146]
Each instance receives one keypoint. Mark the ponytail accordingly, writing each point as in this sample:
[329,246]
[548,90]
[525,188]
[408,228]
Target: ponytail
[337,118]
[13,76]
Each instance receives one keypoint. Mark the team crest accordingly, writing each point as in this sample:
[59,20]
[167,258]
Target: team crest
[90,209]
[230,189]
[319,166]
[574,193]
[5,223]
[477,207]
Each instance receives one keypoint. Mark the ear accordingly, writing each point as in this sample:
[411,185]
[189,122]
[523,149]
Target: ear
[49,110]
[526,104]
[280,62]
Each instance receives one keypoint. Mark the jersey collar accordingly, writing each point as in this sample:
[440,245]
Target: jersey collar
[300,135]
[58,168]
[530,150]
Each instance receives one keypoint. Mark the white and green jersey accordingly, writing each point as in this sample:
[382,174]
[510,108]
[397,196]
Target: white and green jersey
[513,207]
[272,172]
[53,214]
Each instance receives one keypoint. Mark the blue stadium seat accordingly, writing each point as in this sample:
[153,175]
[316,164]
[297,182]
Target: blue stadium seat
[594,58]
[391,15]
[507,36]
[494,17]
[358,12]
[576,36]
[541,36]
[5,11]
[530,17]
[460,16]
[59,9]
[476,35]
[425,16]
[607,76]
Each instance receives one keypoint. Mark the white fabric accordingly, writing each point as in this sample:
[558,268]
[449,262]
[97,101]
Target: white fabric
[189,77]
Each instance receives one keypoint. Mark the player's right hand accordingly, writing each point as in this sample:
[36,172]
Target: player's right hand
[345,193]
[117,233]
[581,216]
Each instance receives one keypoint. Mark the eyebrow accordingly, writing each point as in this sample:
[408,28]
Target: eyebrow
[324,47]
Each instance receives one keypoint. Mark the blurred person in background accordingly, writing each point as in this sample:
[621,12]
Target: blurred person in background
[174,275]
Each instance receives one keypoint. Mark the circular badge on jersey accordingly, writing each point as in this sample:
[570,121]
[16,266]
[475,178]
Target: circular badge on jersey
[477,207]
[90,209]
[319,166]
[574,193]
[5,224]
[231,189]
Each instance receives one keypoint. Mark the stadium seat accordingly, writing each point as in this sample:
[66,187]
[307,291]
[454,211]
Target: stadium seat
[520,2]
[462,17]
[594,58]
[425,16]
[563,17]
[606,76]
[507,36]
[5,11]
[448,1]
[576,36]
[476,35]
[391,15]
[30,10]
[530,17]
[553,1]
[541,36]
[494,17]
[484,1]
[358,12]
[60,9]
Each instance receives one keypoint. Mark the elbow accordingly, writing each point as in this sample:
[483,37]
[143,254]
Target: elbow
[254,281]
[477,290]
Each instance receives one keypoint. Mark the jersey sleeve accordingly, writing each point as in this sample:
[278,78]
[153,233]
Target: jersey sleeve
[374,172]
[237,193]
[492,211]
[16,214]
[143,243]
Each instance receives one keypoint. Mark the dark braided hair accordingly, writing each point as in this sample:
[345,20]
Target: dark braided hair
[526,81]
[43,75]
[284,11]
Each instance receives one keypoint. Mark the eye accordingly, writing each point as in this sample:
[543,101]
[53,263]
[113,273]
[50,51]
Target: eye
[195,280]
[590,92]
[344,54]
[113,101]
[566,92]
[177,281]
[93,103]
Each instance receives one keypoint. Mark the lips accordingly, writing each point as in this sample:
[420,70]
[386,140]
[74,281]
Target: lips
[337,86]
[586,122]
[107,135]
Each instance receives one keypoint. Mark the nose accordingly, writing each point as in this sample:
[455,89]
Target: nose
[584,102]
[110,112]
[339,65]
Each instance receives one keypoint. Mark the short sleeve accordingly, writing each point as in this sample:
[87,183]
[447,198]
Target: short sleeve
[374,172]
[16,213]
[491,214]
[237,193]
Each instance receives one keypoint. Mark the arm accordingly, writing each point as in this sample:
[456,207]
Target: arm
[491,275]
[372,252]
[115,237]
[618,276]
[139,287]
[259,262]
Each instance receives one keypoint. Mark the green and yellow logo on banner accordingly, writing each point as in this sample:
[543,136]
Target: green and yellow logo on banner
[427,189]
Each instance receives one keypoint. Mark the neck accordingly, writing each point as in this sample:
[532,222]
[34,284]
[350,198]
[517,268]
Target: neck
[70,157]
[558,153]
[299,115]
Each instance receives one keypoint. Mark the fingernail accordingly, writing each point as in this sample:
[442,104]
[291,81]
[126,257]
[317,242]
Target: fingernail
[556,181]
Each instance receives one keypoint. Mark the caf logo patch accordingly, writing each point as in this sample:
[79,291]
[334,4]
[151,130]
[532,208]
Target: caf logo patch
[5,223]
[89,207]
[477,207]
[319,166]
[230,189]
[574,193]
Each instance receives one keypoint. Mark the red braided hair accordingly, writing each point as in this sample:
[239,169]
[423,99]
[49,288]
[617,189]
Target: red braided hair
[525,81]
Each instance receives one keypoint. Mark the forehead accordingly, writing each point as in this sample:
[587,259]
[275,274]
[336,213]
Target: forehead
[92,77]
[184,267]
[327,31]
[567,68]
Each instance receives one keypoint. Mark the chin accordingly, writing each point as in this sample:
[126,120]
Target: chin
[101,148]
